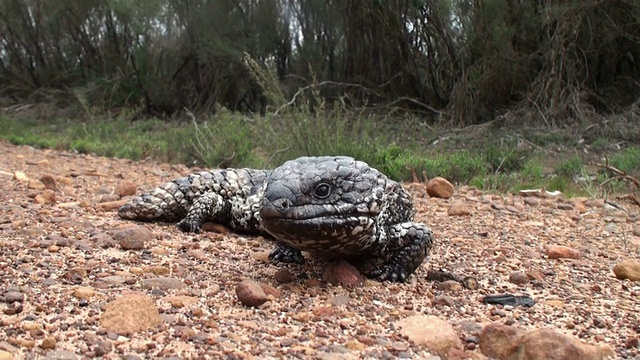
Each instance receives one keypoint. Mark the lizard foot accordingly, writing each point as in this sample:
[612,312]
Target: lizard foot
[389,272]
[286,254]
[189,226]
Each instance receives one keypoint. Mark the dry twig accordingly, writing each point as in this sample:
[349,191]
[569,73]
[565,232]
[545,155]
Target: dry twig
[620,175]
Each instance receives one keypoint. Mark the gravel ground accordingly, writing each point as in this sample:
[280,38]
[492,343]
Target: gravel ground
[65,257]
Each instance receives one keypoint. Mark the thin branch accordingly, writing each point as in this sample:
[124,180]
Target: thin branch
[621,175]
[323,83]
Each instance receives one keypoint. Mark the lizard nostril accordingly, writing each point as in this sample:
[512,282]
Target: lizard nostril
[275,209]
[283,204]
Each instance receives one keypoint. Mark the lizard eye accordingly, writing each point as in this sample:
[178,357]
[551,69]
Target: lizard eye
[323,190]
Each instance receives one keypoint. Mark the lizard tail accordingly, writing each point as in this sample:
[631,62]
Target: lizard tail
[164,203]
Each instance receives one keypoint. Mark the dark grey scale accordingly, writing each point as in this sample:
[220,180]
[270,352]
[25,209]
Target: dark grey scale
[329,206]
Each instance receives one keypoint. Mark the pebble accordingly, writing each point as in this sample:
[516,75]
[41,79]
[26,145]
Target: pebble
[31,326]
[111,205]
[627,269]
[60,355]
[84,292]
[270,290]
[112,280]
[450,285]
[49,343]
[565,206]
[342,273]
[20,342]
[47,197]
[535,274]
[157,270]
[562,252]
[432,332]
[283,276]
[20,176]
[108,198]
[444,300]
[470,283]
[133,238]
[181,300]
[103,347]
[36,184]
[399,346]
[504,342]
[49,182]
[458,209]
[125,188]
[439,187]
[130,314]
[13,296]
[75,275]
[164,283]
[136,270]
[250,293]
[470,326]
[513,209]
[499,341]
[131,357]
[519,278]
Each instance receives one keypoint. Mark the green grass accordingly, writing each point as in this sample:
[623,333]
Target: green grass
[119,137]
[570,167]
[600,144]
[552,138]
[506,158]
[228,139]
[627,161]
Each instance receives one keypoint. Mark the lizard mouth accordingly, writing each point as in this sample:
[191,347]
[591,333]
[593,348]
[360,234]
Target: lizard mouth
[283,212]
[327,234]
[316,227]
[320,222]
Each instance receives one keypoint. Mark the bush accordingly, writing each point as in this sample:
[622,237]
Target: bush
[458,167]
[226,140]
[505,158]
[627,161]
[569,167]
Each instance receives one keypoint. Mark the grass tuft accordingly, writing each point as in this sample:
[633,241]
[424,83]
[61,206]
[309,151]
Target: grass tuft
[627,161]
[229,139]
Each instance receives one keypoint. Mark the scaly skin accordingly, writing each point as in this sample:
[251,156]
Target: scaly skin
[331,206]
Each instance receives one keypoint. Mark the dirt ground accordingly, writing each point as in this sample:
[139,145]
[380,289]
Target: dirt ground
[61,264]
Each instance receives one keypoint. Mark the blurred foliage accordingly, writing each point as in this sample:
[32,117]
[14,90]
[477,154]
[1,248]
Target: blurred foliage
[469,60]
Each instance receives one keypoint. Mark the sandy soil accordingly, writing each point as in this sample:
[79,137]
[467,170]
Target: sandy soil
[61,264]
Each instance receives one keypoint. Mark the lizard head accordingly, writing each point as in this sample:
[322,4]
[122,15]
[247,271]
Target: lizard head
[325,204]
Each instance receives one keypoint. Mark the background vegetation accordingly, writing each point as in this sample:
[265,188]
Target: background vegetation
[253,82]
[474,59]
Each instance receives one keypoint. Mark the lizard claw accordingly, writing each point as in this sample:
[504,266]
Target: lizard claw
[389,273]
[286,254]
[189,226]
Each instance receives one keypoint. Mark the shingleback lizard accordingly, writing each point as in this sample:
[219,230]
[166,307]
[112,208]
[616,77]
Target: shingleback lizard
[330,206]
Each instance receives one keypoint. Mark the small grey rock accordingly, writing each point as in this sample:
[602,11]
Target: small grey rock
[133,238]
[13,296]
[164,283]
[519,278]
[250,293]
[60,355]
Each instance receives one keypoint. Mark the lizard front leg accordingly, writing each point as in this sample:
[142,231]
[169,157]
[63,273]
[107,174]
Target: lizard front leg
[286,254]
[209,206]
[408,245]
